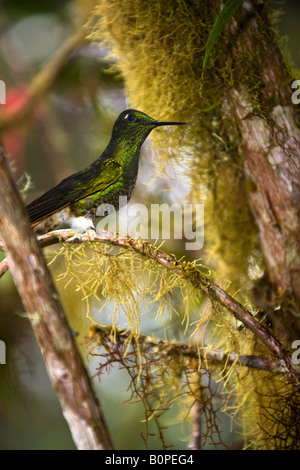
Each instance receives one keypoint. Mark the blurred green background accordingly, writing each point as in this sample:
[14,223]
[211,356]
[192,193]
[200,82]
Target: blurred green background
[65,131]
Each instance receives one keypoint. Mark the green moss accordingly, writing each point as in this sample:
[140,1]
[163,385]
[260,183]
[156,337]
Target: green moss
[269,412]
[160,48]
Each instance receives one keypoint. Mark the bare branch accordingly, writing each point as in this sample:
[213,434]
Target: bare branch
[64,364]
[3,267]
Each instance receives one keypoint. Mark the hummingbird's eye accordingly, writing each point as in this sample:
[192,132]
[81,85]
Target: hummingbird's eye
[131,118]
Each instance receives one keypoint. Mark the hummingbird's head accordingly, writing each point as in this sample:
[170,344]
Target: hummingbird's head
[136,125]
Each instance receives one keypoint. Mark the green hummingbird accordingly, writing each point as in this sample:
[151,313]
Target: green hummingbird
[74,201]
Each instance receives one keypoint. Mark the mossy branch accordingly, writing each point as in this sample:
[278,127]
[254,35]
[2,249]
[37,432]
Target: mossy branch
[190,273]
[169,349]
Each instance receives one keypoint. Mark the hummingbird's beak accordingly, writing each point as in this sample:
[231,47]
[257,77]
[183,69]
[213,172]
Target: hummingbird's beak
[162,123]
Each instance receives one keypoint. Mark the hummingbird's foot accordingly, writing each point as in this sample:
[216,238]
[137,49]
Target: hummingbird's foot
[95,230]
[73,332]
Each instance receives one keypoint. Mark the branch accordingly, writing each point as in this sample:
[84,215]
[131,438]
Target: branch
[64,364]
[3,265]
[175,348]
[189,272]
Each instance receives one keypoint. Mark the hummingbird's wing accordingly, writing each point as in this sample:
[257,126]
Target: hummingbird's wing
[93,179]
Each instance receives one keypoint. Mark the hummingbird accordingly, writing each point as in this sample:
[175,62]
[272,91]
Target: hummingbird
[74,201]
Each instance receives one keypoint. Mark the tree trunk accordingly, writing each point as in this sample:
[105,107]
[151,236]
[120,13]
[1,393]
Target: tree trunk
[271,148]
[65,368]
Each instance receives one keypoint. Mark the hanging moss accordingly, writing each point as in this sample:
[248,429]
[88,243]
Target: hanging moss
[270,412]
[160,48]
[123,283]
